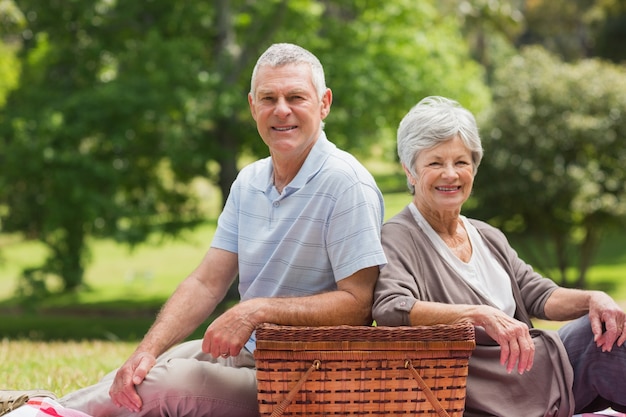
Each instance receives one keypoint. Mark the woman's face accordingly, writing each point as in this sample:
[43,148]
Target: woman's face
[445,175]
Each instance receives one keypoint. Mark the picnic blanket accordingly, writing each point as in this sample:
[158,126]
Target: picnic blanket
[47,407]
[44,407]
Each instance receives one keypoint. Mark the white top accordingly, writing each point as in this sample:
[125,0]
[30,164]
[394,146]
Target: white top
[482,272]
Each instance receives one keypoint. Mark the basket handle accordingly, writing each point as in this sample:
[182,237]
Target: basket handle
[426,390]
[280,408]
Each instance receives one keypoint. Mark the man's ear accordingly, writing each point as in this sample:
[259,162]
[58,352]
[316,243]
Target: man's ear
[251,104]
[327,101]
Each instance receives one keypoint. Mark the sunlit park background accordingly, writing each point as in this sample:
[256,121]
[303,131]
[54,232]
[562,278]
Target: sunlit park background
[123,124]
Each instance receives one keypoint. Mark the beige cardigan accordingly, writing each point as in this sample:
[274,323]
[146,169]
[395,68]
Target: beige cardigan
[416,272]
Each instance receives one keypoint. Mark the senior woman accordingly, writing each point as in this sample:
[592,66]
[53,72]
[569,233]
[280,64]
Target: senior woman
[444,268]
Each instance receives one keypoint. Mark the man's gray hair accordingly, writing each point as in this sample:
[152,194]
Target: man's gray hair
[432,121]
[280,54]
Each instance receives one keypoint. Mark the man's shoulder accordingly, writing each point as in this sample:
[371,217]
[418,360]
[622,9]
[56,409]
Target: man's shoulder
[256,166]
[256,173]
[343,165]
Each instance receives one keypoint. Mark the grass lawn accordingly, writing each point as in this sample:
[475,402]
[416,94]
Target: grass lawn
[61,367]
[124,289]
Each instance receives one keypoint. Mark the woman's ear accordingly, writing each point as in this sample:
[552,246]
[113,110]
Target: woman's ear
[409,176]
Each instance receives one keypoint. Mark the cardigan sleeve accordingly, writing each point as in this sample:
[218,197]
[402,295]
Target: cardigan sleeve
[396,289]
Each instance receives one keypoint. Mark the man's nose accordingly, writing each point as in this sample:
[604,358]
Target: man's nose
[282,107]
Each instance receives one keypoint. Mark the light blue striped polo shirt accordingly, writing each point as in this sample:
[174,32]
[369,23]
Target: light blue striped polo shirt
[324,227]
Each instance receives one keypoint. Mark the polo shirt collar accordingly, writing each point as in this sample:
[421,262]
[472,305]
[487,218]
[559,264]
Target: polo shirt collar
[312,164]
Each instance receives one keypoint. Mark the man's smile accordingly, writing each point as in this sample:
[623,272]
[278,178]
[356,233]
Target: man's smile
[284,129]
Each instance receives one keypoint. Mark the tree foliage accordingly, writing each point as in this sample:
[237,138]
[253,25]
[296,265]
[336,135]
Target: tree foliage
[577,29]
[554,164]
[121,105]
[10,17]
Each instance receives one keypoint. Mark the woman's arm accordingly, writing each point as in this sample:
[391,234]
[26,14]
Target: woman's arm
[517,347]
[606,317]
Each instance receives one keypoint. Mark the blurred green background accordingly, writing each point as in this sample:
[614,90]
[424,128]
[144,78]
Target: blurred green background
[123,124]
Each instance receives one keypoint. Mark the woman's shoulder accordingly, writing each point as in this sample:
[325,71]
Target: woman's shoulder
[481,224]
[489,232]
[402,218]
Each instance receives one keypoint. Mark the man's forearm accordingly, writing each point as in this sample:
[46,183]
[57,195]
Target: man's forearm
[327,309]
[179,317]
[350,304]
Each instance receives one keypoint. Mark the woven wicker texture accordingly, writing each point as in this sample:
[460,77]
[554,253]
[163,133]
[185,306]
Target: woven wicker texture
[359,370]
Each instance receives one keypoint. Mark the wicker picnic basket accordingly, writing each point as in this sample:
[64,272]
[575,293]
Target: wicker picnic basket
[361,370]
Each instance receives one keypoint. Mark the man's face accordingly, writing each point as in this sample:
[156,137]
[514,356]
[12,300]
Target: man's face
[287,109]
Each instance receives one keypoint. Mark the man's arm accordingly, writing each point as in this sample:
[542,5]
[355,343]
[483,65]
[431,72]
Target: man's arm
[350,304]
[606,317]
[192,302]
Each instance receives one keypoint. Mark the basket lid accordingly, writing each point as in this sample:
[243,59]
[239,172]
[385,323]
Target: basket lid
[271,336]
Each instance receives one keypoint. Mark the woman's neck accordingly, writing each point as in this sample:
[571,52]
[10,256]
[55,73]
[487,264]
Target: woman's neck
[442,222]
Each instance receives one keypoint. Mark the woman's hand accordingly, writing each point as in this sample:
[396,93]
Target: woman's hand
[606,318]
[607,321]
[513,336]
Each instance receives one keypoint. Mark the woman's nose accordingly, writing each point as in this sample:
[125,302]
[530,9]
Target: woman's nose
[450,171]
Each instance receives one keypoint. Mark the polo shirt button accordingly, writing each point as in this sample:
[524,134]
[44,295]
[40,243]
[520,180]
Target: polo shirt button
[276,203]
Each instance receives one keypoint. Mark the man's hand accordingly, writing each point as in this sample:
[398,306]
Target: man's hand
[517,347]
[227,334]
[607,321]
[123,391]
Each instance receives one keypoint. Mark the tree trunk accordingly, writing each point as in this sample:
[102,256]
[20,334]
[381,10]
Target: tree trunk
[227,159]
[587,251]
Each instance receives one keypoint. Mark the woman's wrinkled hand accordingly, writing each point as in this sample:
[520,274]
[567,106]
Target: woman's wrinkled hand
[607,321]
[516,345]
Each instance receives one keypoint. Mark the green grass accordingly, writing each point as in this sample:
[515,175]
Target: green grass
[123,289]
[134,277]
[61,367]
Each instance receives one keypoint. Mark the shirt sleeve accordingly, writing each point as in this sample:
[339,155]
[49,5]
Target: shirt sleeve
[353,231]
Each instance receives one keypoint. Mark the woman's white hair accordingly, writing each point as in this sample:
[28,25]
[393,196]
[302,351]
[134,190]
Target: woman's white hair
[432,121]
